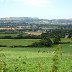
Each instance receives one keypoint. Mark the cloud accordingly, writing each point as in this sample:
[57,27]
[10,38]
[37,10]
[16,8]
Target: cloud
[36,3]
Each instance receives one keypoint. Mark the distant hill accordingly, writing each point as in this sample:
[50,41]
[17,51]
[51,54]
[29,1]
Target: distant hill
[35,20]
[28,24]
[14,21]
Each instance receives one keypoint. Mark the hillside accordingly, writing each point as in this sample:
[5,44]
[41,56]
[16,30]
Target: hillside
[30,20]
[35,23]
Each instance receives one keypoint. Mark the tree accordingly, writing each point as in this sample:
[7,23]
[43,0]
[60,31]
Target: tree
[57,40]
[43,42]
[46,42]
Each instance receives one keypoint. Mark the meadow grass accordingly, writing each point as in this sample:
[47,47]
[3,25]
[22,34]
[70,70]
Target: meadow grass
[23,42]
[35,59]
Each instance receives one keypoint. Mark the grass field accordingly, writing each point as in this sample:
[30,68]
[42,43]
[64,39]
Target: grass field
[13,35]
[35,59]
[24,42]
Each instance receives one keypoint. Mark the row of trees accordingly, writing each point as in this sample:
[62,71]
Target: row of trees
[20,36]
[57,33]
[46,42]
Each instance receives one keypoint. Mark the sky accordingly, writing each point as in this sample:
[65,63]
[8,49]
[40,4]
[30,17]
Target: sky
[46,9]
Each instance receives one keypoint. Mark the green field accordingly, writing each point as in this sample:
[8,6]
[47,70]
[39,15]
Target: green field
[23,42]
[35,59]
[13,35]
[30,60]
[8,34]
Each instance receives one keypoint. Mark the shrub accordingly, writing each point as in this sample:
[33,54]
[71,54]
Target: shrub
[46,42]
[57,40]
[43,42]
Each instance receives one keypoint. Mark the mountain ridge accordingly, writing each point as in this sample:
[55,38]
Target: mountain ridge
[35,20]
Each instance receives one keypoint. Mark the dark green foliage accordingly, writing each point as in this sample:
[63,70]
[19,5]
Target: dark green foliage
[19,36]
[57,40]
[43,42]
[70,35]
[3,46]
[57,33]
[50,34]
[36,44]
[46,42]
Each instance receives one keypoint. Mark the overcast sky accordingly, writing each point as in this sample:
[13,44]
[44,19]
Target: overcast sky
[49,9]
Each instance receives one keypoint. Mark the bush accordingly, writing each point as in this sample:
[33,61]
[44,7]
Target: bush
[43,42]
[46,42]
[3,46]
[56,40]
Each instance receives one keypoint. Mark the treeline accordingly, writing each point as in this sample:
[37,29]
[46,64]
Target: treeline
[46,42]
[57,33]
[20,36]
[50,34]
[53,37]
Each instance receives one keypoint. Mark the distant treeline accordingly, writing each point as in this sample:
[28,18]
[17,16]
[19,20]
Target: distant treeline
[62,33]
[49,34]
[20,36]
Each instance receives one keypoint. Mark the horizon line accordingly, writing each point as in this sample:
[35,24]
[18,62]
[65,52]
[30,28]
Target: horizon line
[34,17]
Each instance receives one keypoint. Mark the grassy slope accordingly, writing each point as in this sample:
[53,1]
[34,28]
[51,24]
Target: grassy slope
[29,60]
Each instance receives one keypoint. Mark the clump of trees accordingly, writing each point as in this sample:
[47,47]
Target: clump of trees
[47,42]
[57,32]
[43,42]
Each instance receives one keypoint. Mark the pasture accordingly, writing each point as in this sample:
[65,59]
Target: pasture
[34,59]
[24,42]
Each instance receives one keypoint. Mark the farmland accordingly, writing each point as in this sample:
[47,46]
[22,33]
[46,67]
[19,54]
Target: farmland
[23,42]
[35,59]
